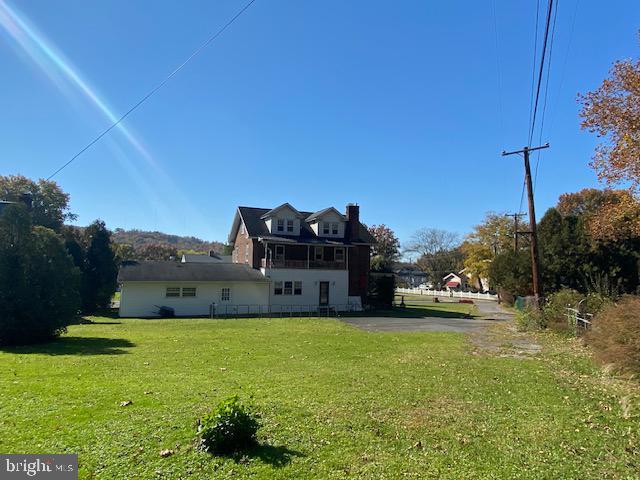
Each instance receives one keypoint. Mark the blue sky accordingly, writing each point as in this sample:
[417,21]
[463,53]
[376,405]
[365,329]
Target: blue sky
[393,105]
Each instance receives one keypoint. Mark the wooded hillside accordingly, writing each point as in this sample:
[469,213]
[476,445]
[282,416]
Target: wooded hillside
[140,238]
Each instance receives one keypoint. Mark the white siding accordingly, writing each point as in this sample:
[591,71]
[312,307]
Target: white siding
[139,299]
[310,278]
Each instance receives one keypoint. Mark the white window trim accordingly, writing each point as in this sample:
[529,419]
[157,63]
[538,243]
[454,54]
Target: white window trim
[335,254]
[284,289]
[297,283]
[315,254]
[279,255]
[174,290]
[280,225]
[275,287]
[195,292]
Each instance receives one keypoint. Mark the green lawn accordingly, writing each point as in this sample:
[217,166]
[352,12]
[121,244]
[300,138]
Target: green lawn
[336,402]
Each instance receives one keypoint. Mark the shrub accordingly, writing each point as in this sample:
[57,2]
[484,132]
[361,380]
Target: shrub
[615,335]
[529,319]
[230,427]
[555,308]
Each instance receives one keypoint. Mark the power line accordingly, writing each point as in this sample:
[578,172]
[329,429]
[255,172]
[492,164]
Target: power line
[541,71]
[546,94]
[155,89]
[535,62]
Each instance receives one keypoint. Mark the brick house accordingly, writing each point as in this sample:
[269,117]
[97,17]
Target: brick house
[311,258]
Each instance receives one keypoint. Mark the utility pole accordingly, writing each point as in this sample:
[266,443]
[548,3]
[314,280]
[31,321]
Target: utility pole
[516,232]
[535,264]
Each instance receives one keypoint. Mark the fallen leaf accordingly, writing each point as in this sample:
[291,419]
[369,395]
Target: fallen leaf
[126,403]
[166,453]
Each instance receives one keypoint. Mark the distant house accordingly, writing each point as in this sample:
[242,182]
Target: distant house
[412,277]
[283,260]
[212,257]
[454,281]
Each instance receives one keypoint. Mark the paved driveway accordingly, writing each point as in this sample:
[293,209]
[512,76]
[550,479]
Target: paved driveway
[490,313]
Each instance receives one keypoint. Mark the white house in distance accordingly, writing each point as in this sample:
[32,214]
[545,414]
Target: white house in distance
[283,260]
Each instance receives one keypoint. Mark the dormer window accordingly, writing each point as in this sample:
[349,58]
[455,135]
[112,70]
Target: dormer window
[290,226]
[334,229]
[325,228]
[280,225]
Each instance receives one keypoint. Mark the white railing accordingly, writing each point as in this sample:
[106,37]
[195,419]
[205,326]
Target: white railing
[579,322]
[445,293]
[268,311]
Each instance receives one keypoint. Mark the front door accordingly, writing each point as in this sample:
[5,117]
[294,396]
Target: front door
[324,293]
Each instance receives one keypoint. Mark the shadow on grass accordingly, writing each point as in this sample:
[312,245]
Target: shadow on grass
[411,312]
[272,455]
[75,346]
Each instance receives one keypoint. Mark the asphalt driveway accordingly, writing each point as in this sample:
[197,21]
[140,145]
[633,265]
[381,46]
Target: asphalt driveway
[490,313]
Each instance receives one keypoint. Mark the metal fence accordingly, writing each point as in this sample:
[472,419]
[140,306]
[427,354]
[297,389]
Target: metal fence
[445,293]
[579,322]
[277,311]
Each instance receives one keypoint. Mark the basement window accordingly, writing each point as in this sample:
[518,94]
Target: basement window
[189,291]
[172,292]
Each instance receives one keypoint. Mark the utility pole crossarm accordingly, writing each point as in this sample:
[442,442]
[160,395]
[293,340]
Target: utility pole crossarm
[535,262]
[524,149]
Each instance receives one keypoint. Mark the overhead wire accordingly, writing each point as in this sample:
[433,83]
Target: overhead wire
[155,89]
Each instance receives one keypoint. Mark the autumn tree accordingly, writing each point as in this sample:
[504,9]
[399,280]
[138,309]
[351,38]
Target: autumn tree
[49,204]
[612,112]
[386,250]
[492,236]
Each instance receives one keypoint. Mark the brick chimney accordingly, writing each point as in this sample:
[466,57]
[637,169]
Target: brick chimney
[353,221]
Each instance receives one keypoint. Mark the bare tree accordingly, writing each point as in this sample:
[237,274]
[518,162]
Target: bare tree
[438,252]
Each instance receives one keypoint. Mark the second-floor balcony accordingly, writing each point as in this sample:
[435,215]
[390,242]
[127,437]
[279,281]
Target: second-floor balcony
[316,264]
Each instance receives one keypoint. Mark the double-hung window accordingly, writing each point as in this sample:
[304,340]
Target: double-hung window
[339,254]
[288,288]
[277,288]
[325,228]
[280,225]
[290,226]
[225,294]
[279,252]
[318,253]
[334,229]
[297,288]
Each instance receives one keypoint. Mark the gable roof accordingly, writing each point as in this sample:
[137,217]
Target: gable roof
[323,212]
[166,271]
[273,211]
[255,225]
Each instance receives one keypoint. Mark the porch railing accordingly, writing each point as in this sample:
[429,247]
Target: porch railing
[318,264]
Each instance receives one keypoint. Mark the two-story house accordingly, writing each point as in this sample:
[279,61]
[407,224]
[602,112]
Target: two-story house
[311,258]
[282,260]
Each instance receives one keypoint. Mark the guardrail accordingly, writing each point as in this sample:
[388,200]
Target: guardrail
[446,293]
[277,311]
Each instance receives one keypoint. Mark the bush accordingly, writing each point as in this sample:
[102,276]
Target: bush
[529,319]
[555,308]
[615,335]
[231,427]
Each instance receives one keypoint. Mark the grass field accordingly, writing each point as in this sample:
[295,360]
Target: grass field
[336,402]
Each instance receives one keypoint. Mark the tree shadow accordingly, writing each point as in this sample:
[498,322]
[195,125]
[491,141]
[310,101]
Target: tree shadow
[276,456]
[75,346]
